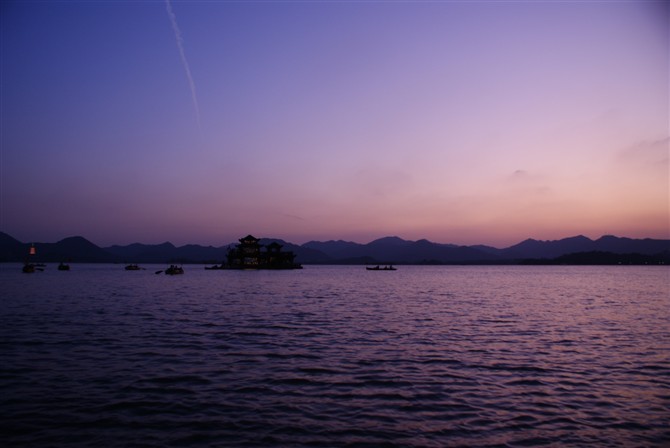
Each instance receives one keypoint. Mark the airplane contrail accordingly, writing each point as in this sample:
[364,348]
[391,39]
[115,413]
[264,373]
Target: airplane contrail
[180,46]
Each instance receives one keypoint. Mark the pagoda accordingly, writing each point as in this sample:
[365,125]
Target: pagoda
[251,254]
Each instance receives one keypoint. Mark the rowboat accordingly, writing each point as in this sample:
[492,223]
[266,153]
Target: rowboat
[378,268]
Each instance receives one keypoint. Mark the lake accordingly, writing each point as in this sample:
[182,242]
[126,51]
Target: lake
[425,356]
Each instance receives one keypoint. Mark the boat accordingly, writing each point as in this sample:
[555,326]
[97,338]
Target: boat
[378,268]
[63,267]
[29,267]
[216,267]
[133,267]
[174,270]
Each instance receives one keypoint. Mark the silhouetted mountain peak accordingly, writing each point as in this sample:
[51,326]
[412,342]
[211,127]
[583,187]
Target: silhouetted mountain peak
[328,242]
[266,241]
[195,246]
[76,244]
[611,238]
[531,248]
[527,243]
[331,243]
[389,240]
[581,238]
[72,240]
[6,239]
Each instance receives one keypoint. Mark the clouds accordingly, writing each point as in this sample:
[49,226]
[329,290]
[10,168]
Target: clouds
[649,155]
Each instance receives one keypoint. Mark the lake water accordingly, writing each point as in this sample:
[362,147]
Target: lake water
[336,356]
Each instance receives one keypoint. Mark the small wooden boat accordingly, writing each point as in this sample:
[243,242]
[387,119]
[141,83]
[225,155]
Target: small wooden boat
[63,267]
[378,268]
[174,270]
[29,266]
[132,267]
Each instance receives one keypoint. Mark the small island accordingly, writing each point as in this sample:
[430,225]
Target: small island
[251,254]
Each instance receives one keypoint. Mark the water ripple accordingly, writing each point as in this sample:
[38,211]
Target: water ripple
[332,356]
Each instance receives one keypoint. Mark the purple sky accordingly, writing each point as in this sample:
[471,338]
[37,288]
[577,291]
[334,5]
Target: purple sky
[460,122]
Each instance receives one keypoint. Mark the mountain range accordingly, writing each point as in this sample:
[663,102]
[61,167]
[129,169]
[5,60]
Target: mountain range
[575,250]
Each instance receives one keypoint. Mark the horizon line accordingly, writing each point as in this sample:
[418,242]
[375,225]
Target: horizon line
[340,240]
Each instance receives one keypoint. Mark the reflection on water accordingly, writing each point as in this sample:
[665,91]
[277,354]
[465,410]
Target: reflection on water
[335,356]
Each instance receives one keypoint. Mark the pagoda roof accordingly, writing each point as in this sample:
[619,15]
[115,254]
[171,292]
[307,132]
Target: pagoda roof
[249,237]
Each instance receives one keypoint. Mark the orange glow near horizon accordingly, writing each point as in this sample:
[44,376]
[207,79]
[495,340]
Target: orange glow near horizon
[482,123]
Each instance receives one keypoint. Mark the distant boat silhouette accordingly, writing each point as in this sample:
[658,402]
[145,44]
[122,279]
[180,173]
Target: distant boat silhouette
[215,267]
[133,267]
[63,267]
[385,268]
[174,270]
[30,267]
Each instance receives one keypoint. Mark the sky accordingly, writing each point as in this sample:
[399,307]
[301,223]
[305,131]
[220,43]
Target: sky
[484,122]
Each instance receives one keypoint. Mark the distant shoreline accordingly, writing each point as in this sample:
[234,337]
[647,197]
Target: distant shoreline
[579,250]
